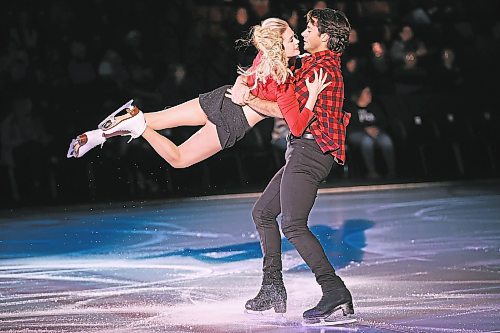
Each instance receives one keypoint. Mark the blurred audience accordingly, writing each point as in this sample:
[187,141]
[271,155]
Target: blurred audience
[279,134]
[163,53]
[367,131]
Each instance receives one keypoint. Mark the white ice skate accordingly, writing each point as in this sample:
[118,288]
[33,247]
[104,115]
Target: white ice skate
[133,123]
[85,142]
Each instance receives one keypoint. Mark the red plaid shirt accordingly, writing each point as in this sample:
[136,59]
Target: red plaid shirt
[284,95]
[329,121]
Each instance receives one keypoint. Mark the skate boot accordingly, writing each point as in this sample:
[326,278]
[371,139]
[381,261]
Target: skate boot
[337,299]
[272,294]
[131,123]
[85,142]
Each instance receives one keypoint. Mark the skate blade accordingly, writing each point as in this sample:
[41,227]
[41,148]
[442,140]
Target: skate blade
[268,315]
[110,119]
[327,322]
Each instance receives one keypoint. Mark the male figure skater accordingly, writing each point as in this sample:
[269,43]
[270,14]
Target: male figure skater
[309,159]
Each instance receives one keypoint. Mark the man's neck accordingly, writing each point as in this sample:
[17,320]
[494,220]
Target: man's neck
[320,49]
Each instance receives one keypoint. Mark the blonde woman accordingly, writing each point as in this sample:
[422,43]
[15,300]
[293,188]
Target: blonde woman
[223,122]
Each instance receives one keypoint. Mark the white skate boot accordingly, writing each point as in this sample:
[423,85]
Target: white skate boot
[133,123]
[85,142]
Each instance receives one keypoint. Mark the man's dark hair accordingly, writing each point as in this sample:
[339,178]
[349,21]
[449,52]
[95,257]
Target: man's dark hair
[334,23]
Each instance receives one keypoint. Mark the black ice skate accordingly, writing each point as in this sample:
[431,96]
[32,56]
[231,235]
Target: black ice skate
[272,294]
[339,299]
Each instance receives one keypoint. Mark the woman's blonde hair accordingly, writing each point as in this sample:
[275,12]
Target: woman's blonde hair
[267,38]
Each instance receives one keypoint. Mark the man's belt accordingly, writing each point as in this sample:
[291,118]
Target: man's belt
[307,136]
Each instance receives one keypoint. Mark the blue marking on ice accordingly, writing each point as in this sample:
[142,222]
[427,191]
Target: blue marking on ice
[342,246]
[147,235]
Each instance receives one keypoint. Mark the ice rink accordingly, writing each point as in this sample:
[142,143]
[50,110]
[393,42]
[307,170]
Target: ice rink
[417,258]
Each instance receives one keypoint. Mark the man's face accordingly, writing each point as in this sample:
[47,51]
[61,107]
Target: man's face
[312,38]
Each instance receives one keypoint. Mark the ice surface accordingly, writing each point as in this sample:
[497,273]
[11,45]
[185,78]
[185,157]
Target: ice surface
[422,260]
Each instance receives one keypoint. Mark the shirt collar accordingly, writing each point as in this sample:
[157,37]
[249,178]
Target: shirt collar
[325,54]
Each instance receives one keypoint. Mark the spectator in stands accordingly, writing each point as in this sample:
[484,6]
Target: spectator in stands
[14,65]
[410,77]
[240,24]
[356,47]
[259,11]
[447,76]
[21,129]
[292,18]
[405,44]
[111,66]
[175,87]
[353,77]
[143,78]
[279,134]
[238,29]
[366,131]
[320,5]
[81,71]
[24,33]
[379,69]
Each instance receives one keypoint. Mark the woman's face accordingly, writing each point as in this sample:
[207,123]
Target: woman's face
[291,43]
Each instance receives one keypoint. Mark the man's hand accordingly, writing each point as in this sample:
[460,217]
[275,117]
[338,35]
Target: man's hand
[239,94]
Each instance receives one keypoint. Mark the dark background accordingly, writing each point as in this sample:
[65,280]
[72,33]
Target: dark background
[65,65]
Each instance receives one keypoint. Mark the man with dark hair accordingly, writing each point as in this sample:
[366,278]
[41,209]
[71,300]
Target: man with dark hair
[309,159]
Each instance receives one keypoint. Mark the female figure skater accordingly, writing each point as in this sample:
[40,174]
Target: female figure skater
[223,122]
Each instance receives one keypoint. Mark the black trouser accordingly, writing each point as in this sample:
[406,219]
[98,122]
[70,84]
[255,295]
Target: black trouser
[292,192]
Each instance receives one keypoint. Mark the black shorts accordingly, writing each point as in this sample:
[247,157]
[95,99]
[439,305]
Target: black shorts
[228,117]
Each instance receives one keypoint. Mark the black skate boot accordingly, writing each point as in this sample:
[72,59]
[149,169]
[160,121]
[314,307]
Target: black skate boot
[272,294]
[330,302]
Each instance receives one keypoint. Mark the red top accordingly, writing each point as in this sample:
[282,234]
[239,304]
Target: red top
[284,95]
[329,127]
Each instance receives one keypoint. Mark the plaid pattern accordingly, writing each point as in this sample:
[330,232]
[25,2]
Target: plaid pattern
[329,121]
[284,95]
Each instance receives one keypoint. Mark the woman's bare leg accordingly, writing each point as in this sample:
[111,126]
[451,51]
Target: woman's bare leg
[252,117]
[197,148]
[189,113]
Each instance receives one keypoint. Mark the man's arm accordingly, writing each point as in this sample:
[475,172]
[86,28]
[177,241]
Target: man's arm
[268,108]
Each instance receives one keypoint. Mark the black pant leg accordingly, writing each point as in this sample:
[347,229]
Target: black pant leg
[305,168]
[264,214]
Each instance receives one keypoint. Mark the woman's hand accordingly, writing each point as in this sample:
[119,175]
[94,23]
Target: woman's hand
[316,87]
[318,84]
